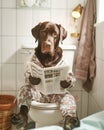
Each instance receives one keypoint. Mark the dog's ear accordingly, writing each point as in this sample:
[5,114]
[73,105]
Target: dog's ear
[63,33]
[35,31]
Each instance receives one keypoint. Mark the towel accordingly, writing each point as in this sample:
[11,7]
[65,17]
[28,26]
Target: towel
[85,56]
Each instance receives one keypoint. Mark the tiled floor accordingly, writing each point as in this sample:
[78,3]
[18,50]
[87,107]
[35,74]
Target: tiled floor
[13,128]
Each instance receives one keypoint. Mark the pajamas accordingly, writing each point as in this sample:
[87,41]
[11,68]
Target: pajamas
[29,92]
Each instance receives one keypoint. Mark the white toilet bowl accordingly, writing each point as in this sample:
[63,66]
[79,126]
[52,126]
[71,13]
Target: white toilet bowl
[45,114]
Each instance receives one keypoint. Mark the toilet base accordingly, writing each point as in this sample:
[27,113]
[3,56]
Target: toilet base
[38,125]
[46,114]
[61,123]
[42,125]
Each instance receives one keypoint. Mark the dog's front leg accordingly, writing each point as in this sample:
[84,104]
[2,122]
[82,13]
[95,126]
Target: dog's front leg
[69,82]
[34,80]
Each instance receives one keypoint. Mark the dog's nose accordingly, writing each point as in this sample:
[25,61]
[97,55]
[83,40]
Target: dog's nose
[47,47]
[48,44]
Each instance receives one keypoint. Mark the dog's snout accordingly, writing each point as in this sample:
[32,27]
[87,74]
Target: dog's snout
[48,44]
[47,47]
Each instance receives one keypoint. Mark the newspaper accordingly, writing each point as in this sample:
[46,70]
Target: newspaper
[50,77]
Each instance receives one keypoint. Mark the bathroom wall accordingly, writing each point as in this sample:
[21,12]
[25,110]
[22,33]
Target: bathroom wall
[96,97]
[15,32]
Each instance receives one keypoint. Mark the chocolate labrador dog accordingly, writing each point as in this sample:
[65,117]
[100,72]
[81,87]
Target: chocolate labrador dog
[47,54]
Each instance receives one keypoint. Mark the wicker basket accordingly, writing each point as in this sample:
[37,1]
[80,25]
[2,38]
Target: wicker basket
[7,103]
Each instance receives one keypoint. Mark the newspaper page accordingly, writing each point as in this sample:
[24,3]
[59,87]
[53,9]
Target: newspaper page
[50,77]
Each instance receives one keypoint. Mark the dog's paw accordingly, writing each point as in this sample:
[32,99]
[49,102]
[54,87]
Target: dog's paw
[71,123]
[20,119]
[14,118]
[34,80]
[64,84]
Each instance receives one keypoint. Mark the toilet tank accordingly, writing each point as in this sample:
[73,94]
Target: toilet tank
[68,55]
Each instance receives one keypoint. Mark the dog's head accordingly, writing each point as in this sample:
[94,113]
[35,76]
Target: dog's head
[48,36]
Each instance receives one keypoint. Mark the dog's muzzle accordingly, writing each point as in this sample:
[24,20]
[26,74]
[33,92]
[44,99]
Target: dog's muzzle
[47,48]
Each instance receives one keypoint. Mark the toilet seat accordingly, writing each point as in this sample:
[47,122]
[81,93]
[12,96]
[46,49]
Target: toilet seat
[44,106]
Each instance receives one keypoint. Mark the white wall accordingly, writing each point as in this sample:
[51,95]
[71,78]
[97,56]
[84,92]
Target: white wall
[100,10]
[96,97]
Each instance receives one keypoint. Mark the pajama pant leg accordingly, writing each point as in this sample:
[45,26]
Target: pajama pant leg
[67,103]
[68,106]
[26,94]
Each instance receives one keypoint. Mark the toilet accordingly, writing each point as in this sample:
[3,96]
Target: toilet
[45,114]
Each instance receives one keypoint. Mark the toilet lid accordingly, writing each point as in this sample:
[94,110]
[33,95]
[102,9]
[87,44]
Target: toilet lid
[46,106]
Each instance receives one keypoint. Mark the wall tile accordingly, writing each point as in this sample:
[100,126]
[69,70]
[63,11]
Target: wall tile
[9,3]
[8,77]
[102,84]
[84,104]
[8,21]
[98,87]
[25,41]
[93,107]
[9,49]
[58,4]
[100,41]
[40,16]
[24,22]
[0,21]
[59,16]
[0,64]
[9,92]
[0,3]
[0,49]
[96,98]
[68,57]
[22,54]
[73,3]
[0,76]
[20,75]
[77,86]
[97,80]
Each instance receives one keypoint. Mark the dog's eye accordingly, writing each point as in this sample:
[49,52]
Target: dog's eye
[43,33]
[55,35]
